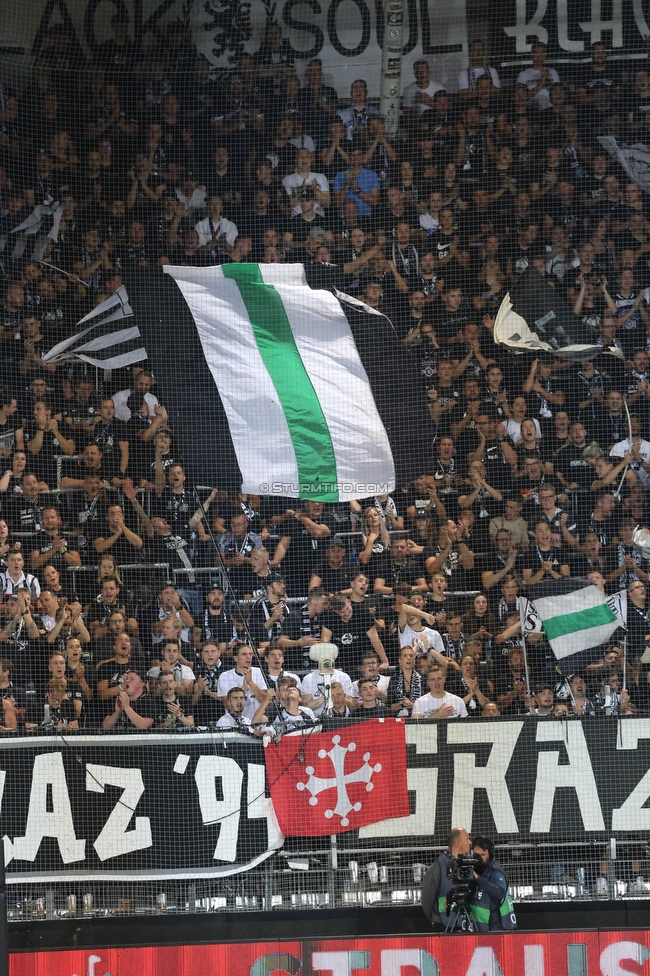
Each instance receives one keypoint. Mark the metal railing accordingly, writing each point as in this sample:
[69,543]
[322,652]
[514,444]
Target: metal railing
[335,877]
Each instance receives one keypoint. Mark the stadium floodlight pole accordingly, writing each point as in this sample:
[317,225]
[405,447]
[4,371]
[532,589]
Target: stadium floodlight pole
[391,65]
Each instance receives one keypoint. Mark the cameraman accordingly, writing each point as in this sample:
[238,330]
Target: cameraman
[491,906]
[436,885]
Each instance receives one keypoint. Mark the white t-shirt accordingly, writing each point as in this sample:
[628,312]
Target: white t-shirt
[464,78]
[530,78]
[314,683]
[513,430]
[294,180]
[186,673]
[427,705]
[408,635]
[227,721]
[230,679]
[382,685]
[411,91]
[622,448]
[122,412]
[209,231]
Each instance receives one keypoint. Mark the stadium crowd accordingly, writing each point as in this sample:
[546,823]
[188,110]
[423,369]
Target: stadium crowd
[115,608]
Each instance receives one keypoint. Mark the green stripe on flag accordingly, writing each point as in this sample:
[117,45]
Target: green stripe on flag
[310,435]
[572,623]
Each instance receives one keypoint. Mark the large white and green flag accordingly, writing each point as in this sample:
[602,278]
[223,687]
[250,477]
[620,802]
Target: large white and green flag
[303,417]
[573,614]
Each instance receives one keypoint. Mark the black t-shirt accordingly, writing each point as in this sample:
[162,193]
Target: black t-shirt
[146,706]
[448,324]
[535,556]
[43,464]
[573,467]
[163,713]
[350,636]
[21,514]
[108,438]
[304,550]
[214,626]
[392,574]
[335,580]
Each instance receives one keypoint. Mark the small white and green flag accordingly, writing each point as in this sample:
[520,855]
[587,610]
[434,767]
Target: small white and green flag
[303,417]
[573,614]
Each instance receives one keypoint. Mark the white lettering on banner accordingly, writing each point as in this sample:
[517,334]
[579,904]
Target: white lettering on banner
[596,25]
[528,28]
[394,960]
[341,963]
[632,815]
[534,960]
[260,807]
[224,813]
[469,777]
[526,31]
[484,963]
[565,42]
[619,952]
[114,839]
[346,36]
[577,775]
[47,772]
[425,783]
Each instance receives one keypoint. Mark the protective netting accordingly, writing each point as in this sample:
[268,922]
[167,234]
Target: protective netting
[257,400]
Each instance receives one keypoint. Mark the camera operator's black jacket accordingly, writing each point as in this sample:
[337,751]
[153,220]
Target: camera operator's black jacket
[491,906]
[435,888]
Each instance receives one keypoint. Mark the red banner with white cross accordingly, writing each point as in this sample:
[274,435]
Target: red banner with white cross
[331,782]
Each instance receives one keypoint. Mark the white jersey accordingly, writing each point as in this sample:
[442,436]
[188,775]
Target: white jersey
[230,679]
[382,684]
[427,705]
[295,180]
[209,231]
[408,635]
[530,78]
[468,77]
[313,684]
[410,93]
[186,673]
[228,721]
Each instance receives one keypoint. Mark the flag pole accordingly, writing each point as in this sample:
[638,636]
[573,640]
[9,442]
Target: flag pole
[522,625]
[523,645]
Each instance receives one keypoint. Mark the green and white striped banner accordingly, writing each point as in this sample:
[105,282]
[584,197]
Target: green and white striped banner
[302,415]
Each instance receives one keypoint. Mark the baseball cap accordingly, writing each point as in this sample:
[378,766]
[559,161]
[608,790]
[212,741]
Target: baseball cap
[275,577]
[336,540]
[163,430]
[318,233]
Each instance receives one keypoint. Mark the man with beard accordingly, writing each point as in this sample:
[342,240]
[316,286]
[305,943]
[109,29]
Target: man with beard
[269,614]
[236,547]
[213,623]
[400,567]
